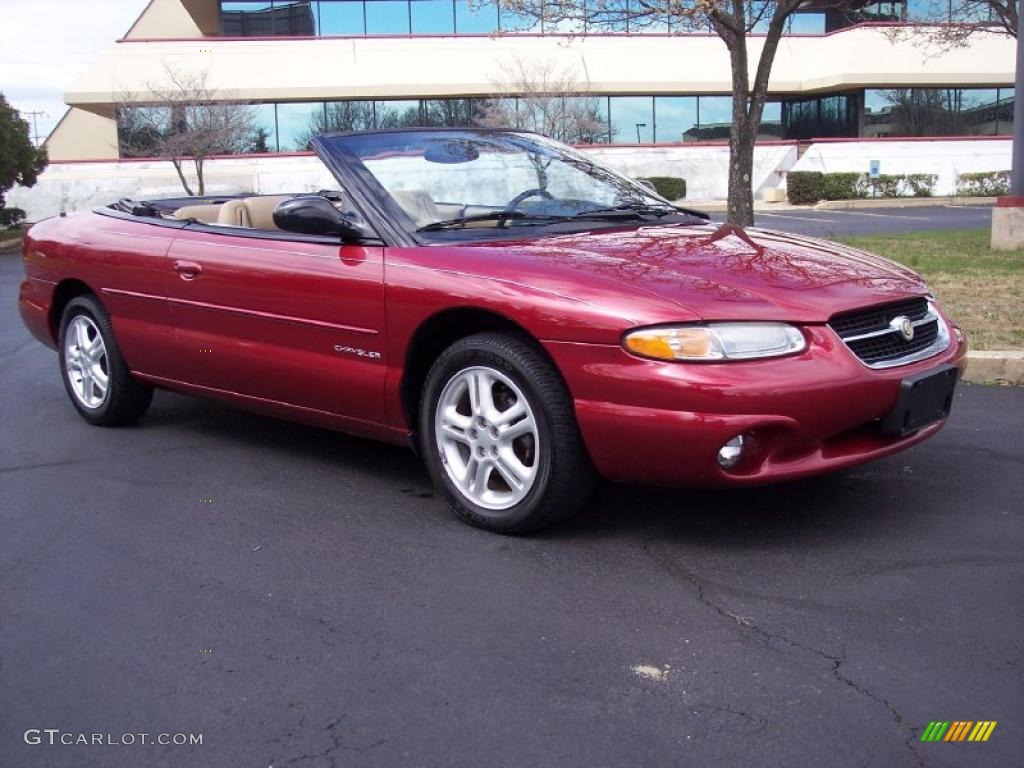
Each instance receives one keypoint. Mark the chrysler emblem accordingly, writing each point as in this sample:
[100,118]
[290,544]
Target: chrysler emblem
[903,325]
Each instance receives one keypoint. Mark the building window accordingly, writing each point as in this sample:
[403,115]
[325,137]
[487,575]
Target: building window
[806,24]
[453,113]
[631,119]
[938,112]
[398,114]
[387,17]
[475,18]
[509,21]
[771,121]
[265,18]
[292,18]
[265,135]
[345,18]
[714,119]
[820,118]
[433,17]
[348,116]
[643,19]
[297,123]
[588,119]
[674,118]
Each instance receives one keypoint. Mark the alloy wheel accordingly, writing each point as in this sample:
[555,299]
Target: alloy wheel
[85,362]
[488,438]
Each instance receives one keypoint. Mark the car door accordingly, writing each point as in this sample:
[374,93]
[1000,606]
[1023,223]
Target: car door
[296,321]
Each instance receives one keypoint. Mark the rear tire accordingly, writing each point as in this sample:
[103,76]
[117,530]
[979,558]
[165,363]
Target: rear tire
[94,372]
[499,436]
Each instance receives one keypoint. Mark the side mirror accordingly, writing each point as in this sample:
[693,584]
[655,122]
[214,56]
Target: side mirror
[648,184]
[315,215]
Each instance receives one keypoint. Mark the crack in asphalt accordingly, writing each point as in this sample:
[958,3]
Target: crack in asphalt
[836,662]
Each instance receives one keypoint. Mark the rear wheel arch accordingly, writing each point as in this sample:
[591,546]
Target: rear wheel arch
[440,331]
[63,293]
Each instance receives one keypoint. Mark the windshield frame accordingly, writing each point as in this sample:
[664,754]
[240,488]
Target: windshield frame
[338,152]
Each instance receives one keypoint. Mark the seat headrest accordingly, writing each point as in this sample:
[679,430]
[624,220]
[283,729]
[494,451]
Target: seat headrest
[234,213]
[418,204]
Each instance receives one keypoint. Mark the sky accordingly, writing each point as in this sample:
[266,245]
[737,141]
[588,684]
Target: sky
[46,44]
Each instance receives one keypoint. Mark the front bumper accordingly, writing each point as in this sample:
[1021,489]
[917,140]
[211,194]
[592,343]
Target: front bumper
[662,423]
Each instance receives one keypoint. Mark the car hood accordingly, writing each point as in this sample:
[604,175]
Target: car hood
[759,274]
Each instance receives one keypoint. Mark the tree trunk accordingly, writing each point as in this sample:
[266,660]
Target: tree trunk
[741,171]
[199,176]
[181,176]
[747,102]
[741,138]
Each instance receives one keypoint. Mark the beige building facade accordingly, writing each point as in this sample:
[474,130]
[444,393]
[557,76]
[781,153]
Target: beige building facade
[425,62]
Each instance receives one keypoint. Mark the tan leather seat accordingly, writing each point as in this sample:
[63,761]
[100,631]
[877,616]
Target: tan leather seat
[252,212]
[418,204]
[208,214]
[234,213]
[261,210]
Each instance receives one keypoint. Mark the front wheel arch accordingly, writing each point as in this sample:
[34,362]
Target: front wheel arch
[438,332]
[561,474]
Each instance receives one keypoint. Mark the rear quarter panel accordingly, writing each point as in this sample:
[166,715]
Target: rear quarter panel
[124,263]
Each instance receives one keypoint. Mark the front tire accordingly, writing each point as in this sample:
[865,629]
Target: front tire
[499,436]
[94,372]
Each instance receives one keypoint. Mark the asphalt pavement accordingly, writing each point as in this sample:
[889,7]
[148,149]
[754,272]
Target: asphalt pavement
[826,223]
[304,598]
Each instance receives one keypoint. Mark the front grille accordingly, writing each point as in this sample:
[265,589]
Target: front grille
[877,318]
[870,336]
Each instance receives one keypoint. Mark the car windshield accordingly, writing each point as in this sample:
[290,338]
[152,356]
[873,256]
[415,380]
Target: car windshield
[469,179]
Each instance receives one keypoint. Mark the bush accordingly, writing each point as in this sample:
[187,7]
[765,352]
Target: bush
[886,185]
[11,217]
[669,187]
[991,184]
[921,184]
[804,187]
[843,186]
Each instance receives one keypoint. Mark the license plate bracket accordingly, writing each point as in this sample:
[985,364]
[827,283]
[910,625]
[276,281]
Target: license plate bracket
[924,399]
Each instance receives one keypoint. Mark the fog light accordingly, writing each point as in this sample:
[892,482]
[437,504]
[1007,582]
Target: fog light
[730,453]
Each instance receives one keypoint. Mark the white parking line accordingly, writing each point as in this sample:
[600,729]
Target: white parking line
[797,218]
[884,215]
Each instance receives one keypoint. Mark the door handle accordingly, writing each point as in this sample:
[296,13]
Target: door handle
[188,270]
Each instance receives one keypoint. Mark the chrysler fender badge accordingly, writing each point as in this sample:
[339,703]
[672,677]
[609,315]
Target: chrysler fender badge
[904,326]
[345,350]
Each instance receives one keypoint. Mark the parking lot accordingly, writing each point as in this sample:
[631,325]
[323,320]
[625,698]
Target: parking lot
[303,598]
[826,223]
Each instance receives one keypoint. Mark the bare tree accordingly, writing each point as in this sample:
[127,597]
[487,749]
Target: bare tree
[538,96]
[732,21]
[943,26]
[185,120]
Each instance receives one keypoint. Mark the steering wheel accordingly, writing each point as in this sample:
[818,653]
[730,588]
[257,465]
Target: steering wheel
[516,201]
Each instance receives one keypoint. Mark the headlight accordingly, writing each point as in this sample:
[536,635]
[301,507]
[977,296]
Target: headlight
[717,341]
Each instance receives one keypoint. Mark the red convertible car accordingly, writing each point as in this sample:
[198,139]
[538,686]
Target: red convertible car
[521,315]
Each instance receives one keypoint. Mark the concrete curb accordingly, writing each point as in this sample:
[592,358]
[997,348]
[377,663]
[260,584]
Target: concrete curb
[9,243]
[901,202]
[1004,367]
